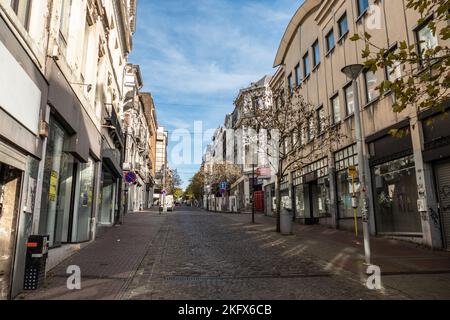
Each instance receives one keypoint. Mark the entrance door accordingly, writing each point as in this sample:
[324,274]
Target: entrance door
[443,184]
[311,203]
[10,186]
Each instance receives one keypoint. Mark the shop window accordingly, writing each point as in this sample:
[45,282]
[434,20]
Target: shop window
[57,186]
[395,197]
[345,186]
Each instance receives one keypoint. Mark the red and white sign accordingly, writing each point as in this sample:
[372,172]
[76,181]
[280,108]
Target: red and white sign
[264,172]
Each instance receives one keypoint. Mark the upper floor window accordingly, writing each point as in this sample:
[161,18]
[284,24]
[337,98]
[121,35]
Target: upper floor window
[363,5]
[306,65]
[320,119]
[298,75]
[394,71]
[349,100]
[316,50]
[310,129]
[330,40]
[22,8]
[66,6]
[343,25]
[291,85]
[335,105]
[426,39]
[371,86]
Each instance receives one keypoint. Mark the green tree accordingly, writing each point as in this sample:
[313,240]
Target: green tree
[425,73]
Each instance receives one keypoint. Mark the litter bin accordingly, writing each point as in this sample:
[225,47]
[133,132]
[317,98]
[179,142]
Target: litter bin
[287,223]
[36,261]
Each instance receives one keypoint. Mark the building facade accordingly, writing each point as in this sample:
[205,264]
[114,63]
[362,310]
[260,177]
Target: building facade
[61,144]
[408,175]
[140,123]
[162,168]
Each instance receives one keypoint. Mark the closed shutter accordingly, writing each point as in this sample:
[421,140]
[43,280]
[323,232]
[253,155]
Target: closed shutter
[443,179]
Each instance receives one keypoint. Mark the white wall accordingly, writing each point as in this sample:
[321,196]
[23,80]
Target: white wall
[19,95]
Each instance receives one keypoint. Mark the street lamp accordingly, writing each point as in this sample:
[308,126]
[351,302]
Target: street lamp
[353,71]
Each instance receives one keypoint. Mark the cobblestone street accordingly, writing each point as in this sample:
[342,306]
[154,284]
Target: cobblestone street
[200,255]
[191,254]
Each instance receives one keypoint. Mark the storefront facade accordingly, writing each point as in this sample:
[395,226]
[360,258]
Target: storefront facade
[311,189]
[67,204]
[21,148]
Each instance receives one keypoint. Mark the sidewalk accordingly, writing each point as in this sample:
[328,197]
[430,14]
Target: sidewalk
[106,275]
[414,271]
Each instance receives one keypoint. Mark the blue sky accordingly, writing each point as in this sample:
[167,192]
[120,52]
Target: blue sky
[195,56]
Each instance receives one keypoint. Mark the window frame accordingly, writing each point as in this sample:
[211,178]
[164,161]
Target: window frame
[332,99]
[366,85]
[358,7]
[343,17]
[346,88]
[316,54]
[327,37]
[290,84]
[306,65]
[298,75]
[417,30]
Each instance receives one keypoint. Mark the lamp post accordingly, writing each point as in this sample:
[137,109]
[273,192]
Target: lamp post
[353,71]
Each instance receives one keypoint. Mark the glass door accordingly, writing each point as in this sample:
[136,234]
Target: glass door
[82,225]
[107,199]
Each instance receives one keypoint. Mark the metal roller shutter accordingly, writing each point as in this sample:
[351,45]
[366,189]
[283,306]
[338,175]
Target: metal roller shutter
[443,180]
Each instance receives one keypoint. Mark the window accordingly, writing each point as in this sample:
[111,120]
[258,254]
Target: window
[330,40]
[66,6]
[336,109]
[349,100]
[291,85]
[343,25]
[22,9]
[298,76]
[316,50]
[344,187]
[394,71]
[306,65]
[371,86]
[426,39]
[320,119]
[363,5]
[310,128]
[395,197]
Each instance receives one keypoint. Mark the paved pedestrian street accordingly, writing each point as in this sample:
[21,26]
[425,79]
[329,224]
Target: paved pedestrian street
[191,254]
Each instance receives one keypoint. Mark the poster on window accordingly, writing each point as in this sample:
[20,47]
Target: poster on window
[53,186]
